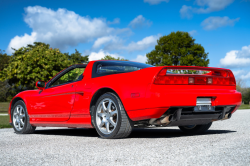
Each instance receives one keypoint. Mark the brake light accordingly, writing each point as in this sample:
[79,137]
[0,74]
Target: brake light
[220,77]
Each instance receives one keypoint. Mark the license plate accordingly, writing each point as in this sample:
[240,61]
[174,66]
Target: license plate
[204,108]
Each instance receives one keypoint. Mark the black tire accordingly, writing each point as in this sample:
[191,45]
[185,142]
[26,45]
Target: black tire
[195,129]
[26,128]
[123,125]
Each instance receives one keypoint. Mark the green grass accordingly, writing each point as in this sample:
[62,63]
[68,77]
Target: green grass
[244,106]
[4,106]
[4,122]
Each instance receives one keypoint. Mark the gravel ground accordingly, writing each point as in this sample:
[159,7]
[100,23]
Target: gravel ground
[226,143]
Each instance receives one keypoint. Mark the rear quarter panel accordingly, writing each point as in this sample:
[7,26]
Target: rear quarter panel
[125,84]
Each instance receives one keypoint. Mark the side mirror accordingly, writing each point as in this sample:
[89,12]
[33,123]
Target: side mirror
[40,84]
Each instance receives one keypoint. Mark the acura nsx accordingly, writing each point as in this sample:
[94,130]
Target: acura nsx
[115,96]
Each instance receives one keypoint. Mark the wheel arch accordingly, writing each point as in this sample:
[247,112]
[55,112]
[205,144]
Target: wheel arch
[98,93]
[16,99]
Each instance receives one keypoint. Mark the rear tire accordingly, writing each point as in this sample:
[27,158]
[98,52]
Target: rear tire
[20,119]
[195,129]
[110,119]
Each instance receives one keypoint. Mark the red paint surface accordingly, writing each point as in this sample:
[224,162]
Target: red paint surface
[68,106]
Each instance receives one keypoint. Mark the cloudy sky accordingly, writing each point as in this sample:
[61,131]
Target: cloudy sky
[130,28]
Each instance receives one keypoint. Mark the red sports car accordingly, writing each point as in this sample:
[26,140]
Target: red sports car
[115,96]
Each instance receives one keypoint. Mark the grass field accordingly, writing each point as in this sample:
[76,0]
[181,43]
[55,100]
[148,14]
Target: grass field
[4,122]
[4,106]
[244,106]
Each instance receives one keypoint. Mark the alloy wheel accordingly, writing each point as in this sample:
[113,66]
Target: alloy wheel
[106,116]
[19,118]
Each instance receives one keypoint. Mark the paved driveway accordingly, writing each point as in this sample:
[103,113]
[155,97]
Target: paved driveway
[226,143]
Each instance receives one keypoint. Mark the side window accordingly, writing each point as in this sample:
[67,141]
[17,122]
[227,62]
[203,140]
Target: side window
[70,76]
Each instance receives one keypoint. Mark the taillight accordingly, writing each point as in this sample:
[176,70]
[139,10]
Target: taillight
[220,77]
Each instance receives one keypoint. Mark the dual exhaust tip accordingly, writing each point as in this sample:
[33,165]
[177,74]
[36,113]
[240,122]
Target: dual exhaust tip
[227,116]
[166,120]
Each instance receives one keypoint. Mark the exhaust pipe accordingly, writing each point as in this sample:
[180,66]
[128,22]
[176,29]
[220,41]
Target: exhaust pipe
[227,116]
[161,121]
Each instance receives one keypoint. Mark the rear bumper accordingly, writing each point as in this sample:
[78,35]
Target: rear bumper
[160,100]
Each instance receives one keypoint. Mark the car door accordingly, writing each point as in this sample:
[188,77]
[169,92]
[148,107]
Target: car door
[56,101]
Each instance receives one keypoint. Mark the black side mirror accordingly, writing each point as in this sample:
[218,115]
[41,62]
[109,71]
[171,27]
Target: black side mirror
[40,84]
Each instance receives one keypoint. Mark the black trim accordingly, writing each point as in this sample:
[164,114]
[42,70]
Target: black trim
[62,73]
[113,63]
[190,122]
[11,124]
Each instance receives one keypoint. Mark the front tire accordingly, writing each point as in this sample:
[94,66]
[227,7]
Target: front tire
[20,119]
[195,129]
[110,118]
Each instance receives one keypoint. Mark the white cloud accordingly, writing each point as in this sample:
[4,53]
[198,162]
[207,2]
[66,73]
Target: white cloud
[206,6]
[104,40]
[239,61]
[140,58]
[193,32]
[212,23]
[212,5]
[237,58]
[101,54]
[246,76]
[186,12]
[112,43]
[140,22]
[238,72]
[61,28]
[20,41]
[115,21]
[143,44]
[155,2]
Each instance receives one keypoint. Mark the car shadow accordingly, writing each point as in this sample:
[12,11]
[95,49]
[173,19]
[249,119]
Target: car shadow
[136,133]
[170,133]
[78,132]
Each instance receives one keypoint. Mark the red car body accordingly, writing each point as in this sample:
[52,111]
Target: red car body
[143,98]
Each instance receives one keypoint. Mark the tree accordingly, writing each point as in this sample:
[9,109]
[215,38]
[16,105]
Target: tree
[108,57]
[4,86]
[178,48]
[4,59]
[245,92]
[32,63]
[240,85]
[77,58]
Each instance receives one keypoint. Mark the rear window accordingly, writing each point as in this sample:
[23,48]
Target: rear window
[102,68]
[116,69]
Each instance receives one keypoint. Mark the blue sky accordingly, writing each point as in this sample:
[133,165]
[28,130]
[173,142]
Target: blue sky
[130,28]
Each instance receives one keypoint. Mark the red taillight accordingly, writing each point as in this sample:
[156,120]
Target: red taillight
[213,78]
